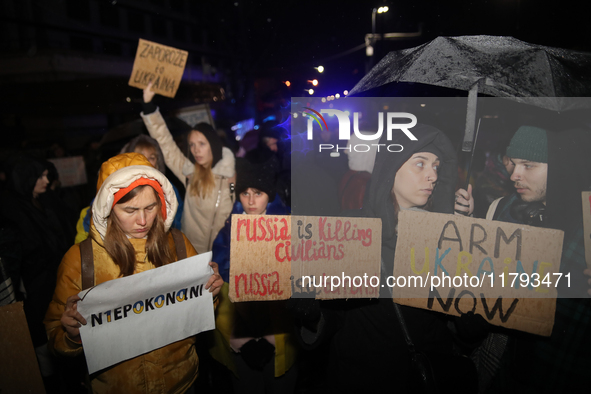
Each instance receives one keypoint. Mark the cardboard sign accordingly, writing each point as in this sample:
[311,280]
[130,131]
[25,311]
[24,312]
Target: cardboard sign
[330,258]
[130,316]
[336,257]
[196,114]
[71,170]
[587,226]
[258,269]
[19,371]
[160,64]
[505,272]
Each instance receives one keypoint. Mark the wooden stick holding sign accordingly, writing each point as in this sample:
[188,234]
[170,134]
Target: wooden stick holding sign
[277,257]
[160,64]
[587,226]
[505,272]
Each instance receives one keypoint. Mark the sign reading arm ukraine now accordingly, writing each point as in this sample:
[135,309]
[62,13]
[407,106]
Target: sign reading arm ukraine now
[130,316]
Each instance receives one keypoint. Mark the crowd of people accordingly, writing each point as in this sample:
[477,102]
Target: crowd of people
[132,225]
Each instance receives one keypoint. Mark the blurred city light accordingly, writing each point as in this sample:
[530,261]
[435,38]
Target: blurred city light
[320,69]
[311,91]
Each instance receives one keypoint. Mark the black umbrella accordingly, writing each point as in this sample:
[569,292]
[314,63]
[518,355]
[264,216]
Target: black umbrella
[500,66]
[551,78]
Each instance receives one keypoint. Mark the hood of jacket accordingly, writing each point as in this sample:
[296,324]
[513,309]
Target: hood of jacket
[118,173]
[23,175]
[226,167]
[378,201]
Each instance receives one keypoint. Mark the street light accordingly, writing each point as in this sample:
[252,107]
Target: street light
[320,69]
[381,10]
[369,50]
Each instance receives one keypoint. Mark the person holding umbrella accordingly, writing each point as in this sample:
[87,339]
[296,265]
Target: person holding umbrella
[551,170]
[368,347]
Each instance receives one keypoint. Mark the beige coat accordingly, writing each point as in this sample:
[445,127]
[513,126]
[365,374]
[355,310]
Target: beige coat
[202,218]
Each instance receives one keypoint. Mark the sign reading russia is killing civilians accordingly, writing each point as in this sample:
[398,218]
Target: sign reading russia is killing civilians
[276,257]
[505,272]
[130,316]
[160,64]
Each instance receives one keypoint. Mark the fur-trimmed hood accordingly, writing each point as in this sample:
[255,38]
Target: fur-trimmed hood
[118,173]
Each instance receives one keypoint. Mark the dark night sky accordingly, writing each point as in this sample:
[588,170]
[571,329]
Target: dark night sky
[289,38]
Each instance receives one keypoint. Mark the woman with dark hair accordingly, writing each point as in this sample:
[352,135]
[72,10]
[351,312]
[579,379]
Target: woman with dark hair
[209,181]
[132,214]
[44,242]
[367,343]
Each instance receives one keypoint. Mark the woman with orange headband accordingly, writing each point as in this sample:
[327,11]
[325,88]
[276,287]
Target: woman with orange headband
[131,217]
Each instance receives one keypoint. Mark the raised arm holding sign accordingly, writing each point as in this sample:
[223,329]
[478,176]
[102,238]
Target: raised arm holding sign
[161,65]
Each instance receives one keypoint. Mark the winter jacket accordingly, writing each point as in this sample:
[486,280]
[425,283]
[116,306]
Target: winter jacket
[170,369]
[42,236]
[367,345]
[566,354]
[203,217]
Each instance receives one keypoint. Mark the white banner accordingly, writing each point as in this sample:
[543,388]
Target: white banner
[130,316]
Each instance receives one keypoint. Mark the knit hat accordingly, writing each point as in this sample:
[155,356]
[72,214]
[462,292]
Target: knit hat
[257,176]
[529,143]
[215,143]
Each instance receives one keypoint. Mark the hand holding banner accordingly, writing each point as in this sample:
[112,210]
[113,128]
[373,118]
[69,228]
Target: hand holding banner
[130,316]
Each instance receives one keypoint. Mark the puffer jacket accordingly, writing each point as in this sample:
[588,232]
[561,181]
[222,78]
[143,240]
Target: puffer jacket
[202,217]
[170,369]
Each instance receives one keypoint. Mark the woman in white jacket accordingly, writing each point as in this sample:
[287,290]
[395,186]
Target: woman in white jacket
[210,196]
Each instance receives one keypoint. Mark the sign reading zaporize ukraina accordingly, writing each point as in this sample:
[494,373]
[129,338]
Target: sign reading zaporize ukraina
[160,64]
